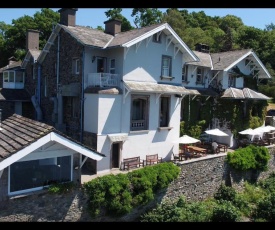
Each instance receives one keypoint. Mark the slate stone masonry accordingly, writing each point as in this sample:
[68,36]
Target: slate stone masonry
[199,179]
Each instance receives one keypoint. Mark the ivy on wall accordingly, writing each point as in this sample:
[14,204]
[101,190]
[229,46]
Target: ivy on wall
[237,114]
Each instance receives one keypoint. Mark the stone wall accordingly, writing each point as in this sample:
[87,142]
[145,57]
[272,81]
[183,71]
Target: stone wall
[199,179]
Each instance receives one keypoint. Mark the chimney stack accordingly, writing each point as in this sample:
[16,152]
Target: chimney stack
[67,16]
[112,26]
[12,60]
[202,48]
[32,41]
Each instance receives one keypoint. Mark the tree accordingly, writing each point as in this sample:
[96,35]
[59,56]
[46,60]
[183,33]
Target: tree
[14,36]
[115,13]
[270,26]
[146,16]
[175,19]
[45,22]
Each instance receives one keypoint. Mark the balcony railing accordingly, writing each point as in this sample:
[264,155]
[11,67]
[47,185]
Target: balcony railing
[103,80]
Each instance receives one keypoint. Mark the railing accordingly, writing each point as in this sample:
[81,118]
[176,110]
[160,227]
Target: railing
[137,125]
[103,80]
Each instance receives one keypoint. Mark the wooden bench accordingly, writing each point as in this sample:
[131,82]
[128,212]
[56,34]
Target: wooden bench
[133,162]
[152,159]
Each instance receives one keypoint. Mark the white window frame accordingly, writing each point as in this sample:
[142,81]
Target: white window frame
[143,122]
[112,66]
[184,73]
[231,80]
[199,77]
[164,113]
[166,67]
[76,66]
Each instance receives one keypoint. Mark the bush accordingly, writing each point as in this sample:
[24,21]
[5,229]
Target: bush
[119,194]
[61,188]
[178,211]
[249,158]
[225,211]
[265,209]
[225,193]
[269,183]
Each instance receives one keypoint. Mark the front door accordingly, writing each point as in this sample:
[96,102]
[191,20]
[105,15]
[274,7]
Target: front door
[100,65]
[115,155]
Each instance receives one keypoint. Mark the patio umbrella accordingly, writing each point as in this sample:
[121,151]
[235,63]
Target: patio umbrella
[216,132]
[185,139]
[264,129]
[250,132]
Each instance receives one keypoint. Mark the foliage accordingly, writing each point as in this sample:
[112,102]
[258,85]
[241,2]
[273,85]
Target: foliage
[61,188]
[119,194]
[225,211]
[146,16]
[265,210]
[225,193]
[14,39]
[115,13]
[178,211]
[249,158]
[269,183]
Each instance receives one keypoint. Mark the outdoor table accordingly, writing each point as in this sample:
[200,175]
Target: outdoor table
[197,149]
[222,146]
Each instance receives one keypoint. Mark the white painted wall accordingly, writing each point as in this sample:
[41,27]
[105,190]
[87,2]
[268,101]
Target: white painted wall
[54,150]
[91,113]
[107,113]
[144,63]
[142,143]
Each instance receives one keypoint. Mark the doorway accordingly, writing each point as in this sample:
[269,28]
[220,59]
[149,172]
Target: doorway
[115,155]
[101,64]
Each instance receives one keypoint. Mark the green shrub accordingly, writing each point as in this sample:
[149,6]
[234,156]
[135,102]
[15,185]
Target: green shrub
[265,209]
[225,193]
[225,211]
[249,158]
[165,212]
[61,188]
[269,183]
[119,194]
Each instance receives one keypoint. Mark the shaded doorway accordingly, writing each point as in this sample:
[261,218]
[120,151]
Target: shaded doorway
[115,155]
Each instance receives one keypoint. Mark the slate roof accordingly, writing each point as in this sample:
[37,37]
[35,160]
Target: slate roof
[245,93]
[203,91]
[17,132]
[97,38]
[224,59]
[152,87]
[13,65]
[14,95]
[205,59]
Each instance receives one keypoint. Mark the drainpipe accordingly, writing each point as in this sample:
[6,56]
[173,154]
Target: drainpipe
[82,98]
[58,86]
[39,85]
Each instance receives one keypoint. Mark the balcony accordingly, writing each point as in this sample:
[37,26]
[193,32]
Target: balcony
[103,80]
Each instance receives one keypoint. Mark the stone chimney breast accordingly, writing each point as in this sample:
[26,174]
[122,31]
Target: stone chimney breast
[32,40]
[112,26]
[67,16]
